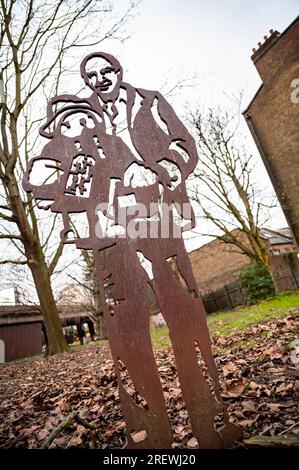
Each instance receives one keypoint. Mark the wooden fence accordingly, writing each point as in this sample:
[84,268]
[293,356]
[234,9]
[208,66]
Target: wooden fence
[228,297]
[232,295]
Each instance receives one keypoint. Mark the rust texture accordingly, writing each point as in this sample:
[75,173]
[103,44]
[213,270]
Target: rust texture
[99,158]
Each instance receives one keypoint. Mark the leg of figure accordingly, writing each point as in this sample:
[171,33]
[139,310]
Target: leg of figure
[134,351]
[229,432]
[200,403]
[130,342]
[187,327]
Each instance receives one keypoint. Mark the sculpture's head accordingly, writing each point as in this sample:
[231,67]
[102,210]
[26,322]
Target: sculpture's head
[103,74]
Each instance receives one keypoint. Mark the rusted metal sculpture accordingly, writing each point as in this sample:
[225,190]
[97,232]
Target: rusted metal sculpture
[134,178]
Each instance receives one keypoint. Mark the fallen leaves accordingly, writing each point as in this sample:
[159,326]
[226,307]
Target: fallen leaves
[229,369]
[248,406]
[257,372]
[273,407]
[234,388]
[276,352]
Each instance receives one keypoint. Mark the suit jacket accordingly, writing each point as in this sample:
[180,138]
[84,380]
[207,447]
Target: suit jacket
[157,136]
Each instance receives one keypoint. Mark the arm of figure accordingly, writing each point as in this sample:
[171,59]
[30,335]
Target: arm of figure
[41,178]
[180,161]
[182,148]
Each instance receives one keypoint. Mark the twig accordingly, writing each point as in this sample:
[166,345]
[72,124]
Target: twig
[288,429]
[73,416]
[266,429]
[273,441]
[85,423]
[63,425]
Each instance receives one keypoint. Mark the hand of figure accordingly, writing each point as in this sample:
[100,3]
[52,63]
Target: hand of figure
[172,175]
[139,176]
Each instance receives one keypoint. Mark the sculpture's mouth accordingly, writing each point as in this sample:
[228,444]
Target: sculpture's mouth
[104,85]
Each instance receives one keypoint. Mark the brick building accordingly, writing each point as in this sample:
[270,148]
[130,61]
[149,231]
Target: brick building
[216,263]
[273,116]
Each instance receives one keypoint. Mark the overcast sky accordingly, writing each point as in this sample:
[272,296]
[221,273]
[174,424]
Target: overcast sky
[210,37]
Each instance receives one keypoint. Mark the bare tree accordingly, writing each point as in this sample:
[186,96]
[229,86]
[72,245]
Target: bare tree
[36,42]
[224,185]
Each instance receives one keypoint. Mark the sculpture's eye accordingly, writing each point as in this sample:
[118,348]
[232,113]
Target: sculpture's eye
[107,70]
[93,76]
[73,125]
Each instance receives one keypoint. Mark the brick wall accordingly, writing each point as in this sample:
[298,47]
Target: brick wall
[285,274]
[216,264]
[274,120]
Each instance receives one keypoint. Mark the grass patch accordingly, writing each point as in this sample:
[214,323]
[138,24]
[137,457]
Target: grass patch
[224,323]
[241,344]
[79,347]
[160,338]
[24,359]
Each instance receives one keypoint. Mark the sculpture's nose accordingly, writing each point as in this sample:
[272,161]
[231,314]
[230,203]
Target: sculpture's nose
[99,79]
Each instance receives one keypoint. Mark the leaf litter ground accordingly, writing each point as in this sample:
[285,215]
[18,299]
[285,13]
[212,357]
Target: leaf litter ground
[258,370]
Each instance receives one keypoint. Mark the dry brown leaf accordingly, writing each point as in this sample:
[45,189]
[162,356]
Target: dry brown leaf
[178,429]
[95,408]
[276,352]
[246,422]
[273,406]
[64,404]
[42,435]
[253,393]
[175,392]
[75,441]
[192,443]
[229,369]
[248,406]
[284,388]
[235,388]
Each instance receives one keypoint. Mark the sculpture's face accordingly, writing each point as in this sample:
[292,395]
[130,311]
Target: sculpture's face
[101,76]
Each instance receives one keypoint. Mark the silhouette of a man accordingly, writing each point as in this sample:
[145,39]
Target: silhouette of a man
[130,144]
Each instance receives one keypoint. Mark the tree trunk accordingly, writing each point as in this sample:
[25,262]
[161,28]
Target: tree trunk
[39,269]
[56,339]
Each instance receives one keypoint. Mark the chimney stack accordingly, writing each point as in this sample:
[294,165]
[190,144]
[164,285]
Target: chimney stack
[264,46]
